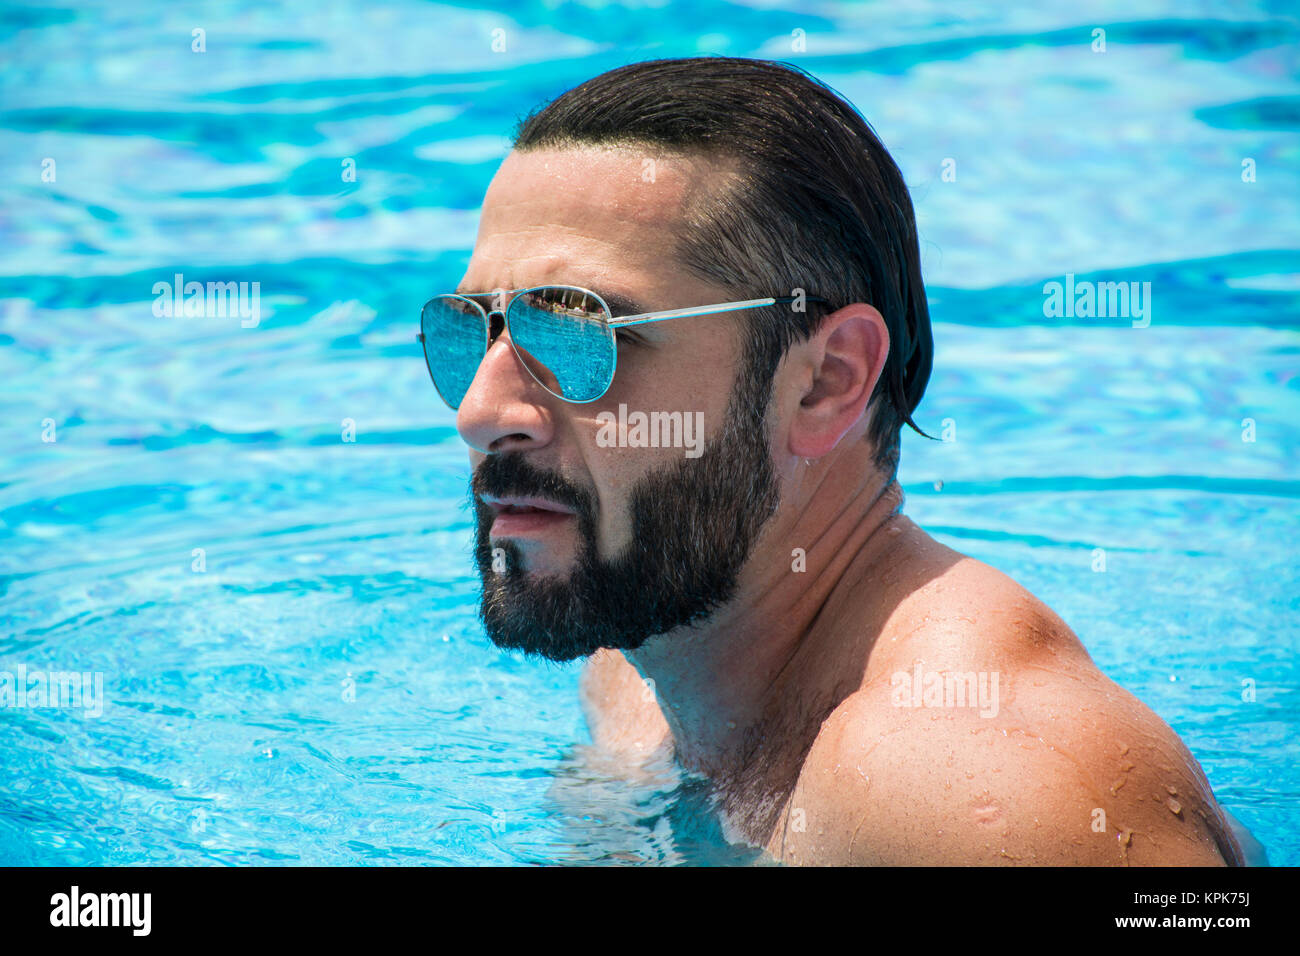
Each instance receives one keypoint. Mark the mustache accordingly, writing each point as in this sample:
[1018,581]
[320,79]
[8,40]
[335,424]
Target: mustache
[511,474]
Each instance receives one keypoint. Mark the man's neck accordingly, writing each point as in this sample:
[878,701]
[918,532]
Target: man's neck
[719,682]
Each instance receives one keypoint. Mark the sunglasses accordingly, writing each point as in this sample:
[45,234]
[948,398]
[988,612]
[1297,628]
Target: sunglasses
[563,334]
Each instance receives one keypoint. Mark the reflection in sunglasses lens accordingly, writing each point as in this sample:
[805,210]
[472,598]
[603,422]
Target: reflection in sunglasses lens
[563,337]
[455,341]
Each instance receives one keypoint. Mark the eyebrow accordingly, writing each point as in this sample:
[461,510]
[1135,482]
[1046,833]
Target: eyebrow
[619,305]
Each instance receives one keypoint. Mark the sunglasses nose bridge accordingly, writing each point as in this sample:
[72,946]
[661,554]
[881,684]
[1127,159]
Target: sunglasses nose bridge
[496,324]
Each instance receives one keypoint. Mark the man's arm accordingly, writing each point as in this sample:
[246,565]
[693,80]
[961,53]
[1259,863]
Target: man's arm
[621,709]
[1073,770]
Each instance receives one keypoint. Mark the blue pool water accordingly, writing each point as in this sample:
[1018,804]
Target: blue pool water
[320,692]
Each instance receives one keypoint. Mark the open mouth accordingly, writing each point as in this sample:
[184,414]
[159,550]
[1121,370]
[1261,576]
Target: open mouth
[517,516]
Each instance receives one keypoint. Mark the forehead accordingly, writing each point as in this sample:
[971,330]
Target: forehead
[580,215]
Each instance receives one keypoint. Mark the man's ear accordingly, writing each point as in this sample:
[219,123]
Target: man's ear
[846,357]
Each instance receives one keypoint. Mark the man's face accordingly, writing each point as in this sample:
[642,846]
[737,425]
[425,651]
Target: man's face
[634,541]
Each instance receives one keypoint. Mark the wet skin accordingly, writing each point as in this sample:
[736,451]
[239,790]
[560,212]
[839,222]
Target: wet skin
[786,697]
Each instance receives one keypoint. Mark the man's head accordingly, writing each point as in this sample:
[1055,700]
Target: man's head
[670,184]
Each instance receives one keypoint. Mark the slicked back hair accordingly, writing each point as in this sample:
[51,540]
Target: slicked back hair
[803,196]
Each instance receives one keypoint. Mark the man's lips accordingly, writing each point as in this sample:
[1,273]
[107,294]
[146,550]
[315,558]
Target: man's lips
[513,516]
[514,504]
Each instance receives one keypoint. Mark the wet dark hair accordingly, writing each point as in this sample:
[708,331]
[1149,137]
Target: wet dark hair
[805,196]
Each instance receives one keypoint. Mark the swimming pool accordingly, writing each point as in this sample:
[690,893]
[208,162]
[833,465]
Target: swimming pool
[282,619]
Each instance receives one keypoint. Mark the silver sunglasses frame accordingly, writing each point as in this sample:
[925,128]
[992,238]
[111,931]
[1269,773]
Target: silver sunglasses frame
[611,324]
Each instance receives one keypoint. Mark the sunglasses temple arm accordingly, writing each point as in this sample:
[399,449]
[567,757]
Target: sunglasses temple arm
[684,313]
[648,317]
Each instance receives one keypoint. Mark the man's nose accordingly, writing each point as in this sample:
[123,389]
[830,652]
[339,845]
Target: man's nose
[505,409]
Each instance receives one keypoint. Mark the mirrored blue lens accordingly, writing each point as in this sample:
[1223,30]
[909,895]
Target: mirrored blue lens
[564,338]
[455,341]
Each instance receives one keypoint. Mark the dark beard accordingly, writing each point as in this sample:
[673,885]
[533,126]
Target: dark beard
[694,524]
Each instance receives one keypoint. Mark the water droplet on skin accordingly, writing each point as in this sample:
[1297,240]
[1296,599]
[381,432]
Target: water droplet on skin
[1174,806]
[1125,838]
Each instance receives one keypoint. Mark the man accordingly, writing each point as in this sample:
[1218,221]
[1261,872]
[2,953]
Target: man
[857,692]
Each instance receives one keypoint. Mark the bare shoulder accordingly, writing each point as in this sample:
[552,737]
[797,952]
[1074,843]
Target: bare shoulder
[984,734]
[621,709]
